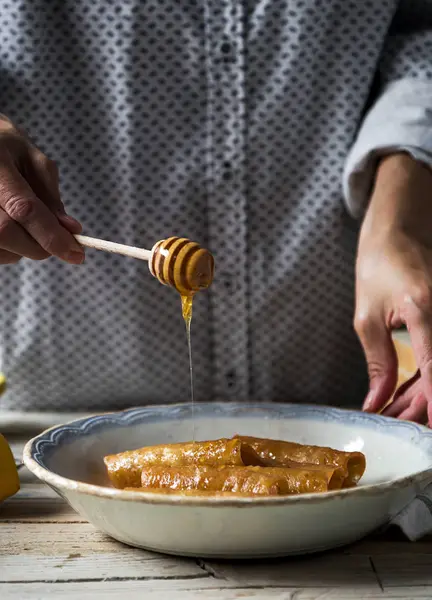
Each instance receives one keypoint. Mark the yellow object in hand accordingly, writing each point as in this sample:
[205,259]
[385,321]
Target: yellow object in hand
[9,480]
[2,383]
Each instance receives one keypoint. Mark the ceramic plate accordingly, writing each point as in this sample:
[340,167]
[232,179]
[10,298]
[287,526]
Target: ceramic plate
[399,465]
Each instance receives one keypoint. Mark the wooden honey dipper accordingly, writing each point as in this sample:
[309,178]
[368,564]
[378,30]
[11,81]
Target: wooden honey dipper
[177,262]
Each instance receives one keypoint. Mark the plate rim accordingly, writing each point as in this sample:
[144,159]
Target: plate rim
[126,417]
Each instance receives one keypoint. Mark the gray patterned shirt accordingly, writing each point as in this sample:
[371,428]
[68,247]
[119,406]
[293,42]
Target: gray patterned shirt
[229,122]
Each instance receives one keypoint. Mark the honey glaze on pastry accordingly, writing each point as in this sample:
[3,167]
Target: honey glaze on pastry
[242,465]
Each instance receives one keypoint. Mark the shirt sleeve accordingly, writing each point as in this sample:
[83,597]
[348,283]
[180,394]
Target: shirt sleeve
[401,117]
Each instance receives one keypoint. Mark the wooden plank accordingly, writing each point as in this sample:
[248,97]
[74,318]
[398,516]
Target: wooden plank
[329,570]
[36,502]
[133,564]
[30,551]
[27,476]
[17,444]
[38,511]
[192,590]
[36,489]
[17,447]
[378,548]
[136,564]
[57,539]
[55,552]
[399,570]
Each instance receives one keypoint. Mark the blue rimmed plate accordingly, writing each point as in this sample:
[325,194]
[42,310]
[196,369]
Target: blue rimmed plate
[399,465]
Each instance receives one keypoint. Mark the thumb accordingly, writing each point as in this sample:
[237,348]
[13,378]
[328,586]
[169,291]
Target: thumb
[381,361]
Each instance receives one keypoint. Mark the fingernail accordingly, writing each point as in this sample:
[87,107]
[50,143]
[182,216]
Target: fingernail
[76,258]
[369,401]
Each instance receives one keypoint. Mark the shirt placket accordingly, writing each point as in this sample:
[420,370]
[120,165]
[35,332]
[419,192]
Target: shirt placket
[226,197]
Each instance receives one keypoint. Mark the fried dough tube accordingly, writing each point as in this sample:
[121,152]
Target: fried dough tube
[124,469]
[281,453]
[263,481]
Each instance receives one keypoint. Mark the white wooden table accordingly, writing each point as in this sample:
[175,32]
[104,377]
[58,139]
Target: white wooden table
[47,551]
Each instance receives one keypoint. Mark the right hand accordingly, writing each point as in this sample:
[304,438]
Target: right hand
[33,221]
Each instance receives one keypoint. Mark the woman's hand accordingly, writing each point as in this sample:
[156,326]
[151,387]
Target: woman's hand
[394,285]
[33,221]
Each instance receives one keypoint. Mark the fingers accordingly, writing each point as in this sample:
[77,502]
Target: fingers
[15,239]
[417,410]
[417,314]
[33,221]
[409,403]
[42,175]
[8,258]
[22,205]
[70,223]
[403,396]
[381,360]
[429,414]
[44,181]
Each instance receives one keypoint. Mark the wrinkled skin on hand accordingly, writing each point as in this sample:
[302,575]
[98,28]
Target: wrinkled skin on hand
[33,221]
[394,286]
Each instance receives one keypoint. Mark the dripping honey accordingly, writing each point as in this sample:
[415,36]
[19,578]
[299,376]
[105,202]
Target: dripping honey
[187,301]
[188,268]
[187,309]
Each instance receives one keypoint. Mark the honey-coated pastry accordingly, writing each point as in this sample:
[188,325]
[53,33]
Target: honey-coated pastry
[124,469]
[281,453]
[267,481]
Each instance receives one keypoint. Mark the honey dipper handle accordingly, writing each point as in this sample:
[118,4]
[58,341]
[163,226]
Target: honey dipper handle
[114,248]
